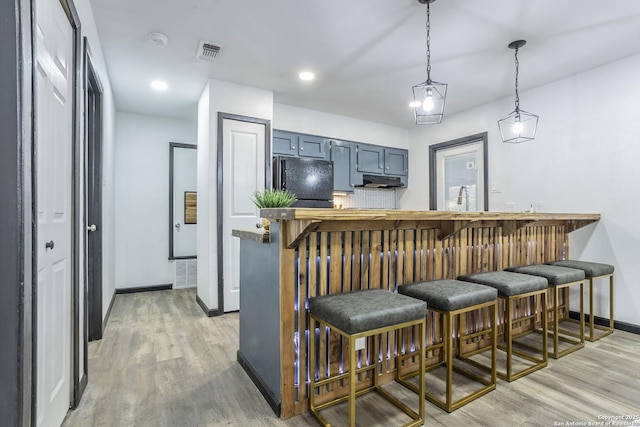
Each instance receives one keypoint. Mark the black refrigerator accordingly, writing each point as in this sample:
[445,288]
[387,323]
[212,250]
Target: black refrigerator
[311,180]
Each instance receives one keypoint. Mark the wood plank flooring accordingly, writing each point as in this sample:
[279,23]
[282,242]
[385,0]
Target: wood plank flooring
[162,362]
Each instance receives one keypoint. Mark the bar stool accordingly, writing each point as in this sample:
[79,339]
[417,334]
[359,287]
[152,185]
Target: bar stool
[451,299]
[593,271]
[357,315]
[560,278]
[514,287]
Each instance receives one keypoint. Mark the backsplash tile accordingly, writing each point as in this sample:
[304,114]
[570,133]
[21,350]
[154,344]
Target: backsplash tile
[367,198]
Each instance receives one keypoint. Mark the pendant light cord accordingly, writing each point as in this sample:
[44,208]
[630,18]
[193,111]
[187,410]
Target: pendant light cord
[428,43]
[517,72]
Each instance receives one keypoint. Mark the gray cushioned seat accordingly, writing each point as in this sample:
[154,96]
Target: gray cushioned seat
[555,275]
[449,295]
[508,283]
[366,310]
[591,269]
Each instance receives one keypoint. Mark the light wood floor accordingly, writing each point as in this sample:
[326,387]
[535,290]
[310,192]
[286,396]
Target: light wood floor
[162,362]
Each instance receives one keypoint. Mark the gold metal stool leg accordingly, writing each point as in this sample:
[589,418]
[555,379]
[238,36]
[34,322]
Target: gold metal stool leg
[448,319]
[564,335]
[352,380]
[604,330]
[417,418]
[512,347]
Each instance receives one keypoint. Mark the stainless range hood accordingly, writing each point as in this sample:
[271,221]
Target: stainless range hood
[381,181]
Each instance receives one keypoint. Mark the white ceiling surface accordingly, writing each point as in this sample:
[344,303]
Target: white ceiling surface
[366,53]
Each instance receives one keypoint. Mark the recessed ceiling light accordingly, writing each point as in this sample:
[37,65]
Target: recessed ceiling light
[306,75]
[159,85]
[414,104]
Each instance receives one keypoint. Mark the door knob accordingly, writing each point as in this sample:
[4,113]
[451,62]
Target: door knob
[177,225]
[91,228]
[49,245]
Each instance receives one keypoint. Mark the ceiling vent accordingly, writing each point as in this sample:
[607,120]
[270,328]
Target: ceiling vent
[208,51]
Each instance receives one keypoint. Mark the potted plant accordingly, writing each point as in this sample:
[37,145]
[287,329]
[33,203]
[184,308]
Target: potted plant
[272,199]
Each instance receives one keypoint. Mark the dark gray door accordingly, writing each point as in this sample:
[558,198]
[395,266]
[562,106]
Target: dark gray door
[93,117]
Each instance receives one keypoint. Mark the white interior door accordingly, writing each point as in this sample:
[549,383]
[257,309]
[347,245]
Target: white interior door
[54,68]
[243,166]
[460,178]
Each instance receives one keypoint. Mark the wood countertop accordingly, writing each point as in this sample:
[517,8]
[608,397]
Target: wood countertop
[403,215]
[301,221]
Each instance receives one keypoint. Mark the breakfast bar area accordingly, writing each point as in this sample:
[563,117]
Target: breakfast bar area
[314,252]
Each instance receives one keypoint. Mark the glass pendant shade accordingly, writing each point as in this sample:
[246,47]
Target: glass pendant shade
[519,126]
[429,98]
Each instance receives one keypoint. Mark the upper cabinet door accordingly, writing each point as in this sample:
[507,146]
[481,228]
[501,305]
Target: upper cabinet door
[343,155]
[285,143]
[313,146]
[396,161]
[370,159]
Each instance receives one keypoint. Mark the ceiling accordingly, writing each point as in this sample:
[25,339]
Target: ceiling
[366,54]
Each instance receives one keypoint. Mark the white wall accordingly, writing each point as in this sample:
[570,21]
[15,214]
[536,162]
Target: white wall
[584,159]
[218,96]
[206,286]
[142,196]
[286,117]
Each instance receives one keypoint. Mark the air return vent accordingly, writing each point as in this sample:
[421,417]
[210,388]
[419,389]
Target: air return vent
[185,273]
[207,51]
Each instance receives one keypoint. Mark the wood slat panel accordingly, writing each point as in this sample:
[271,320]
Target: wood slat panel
[409,251]
[366,260]
[376,252]
[348,261]
[385,258]
[336,342]
[334,261]
[302,328]
[355,272]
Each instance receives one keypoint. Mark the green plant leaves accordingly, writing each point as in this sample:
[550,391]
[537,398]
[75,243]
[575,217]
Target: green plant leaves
[273,198]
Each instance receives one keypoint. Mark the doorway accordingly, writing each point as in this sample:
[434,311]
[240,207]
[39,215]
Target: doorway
[458,174]
[183,161]
[244,160]
[93,197]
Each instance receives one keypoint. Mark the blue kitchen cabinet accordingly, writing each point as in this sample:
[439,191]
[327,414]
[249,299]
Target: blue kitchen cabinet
[396,161]
[313,146]
[343,156]
[285,143]
[370,159]
[377,160]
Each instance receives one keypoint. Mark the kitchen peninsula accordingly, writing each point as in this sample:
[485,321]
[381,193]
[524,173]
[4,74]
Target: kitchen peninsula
[323,251]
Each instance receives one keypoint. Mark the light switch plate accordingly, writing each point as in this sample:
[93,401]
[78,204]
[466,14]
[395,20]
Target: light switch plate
[360,343]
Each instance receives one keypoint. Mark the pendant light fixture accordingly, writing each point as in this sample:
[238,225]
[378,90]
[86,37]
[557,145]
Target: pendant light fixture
[429,97]
[519,125]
